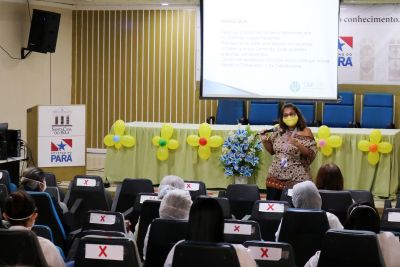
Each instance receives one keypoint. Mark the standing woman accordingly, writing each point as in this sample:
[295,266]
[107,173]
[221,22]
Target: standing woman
[293,148]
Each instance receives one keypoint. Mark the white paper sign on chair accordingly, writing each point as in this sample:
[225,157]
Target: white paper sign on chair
[143,198]
[271,207]
[100,218]
[104,252]
[192,186]
[265,253]
[86,182]
[237,229]
[394,217]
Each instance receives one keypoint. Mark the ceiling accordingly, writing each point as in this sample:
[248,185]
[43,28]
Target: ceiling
[77,3]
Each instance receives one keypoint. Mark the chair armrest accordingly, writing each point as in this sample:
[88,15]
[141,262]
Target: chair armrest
[246,217]
[128,211]
[222,193]
[76,205]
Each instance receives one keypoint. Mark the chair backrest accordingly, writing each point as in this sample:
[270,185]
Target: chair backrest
[350,248]
[304,230]
[89,189]
[336,202]
[196,188]
[271,254]
[390,220]
[308,111]
[53,192]
[5,179]
[50,179]
[340,114]
[225,206]
[377,111]
[241,198]
[43,231]
[229,111]
[3,195]
[287,196]
[237,231]
[268,214]
[48,216]
[20,248]
[359,196]
[263,113]
[149,212]
[104,220]
[203,254]
[163,236]
[99,251]
[125,195]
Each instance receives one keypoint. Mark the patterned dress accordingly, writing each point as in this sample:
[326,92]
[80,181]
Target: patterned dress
[289,167]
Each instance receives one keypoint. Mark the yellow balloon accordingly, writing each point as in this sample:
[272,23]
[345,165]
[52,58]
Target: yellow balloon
[118,145]
[363,145]
[205,130]
[173,144]
[385,147]
[119,127]
[166,131]
[128,141]
[375,136]
[215,141]
[326,150]
[108,140]
[204,152]
[324,132]
[373,158]
[162,153]
[334,141]
[155,141]
[193,140]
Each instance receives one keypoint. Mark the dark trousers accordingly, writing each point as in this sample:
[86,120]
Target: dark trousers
[273,194]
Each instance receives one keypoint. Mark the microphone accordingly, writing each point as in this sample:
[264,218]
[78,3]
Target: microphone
[272,130]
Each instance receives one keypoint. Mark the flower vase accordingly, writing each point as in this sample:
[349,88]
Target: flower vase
[241,179]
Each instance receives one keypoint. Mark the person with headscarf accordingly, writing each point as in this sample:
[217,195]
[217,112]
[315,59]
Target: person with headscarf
[174,206]
[305,195]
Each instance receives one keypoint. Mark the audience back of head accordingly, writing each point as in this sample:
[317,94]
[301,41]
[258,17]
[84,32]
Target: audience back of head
[305,195]
[176,205]
[168,183]
[362,216]
[329,177]
[33,179]
[19,208]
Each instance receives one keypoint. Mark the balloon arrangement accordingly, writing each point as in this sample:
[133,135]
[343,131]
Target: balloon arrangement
[326,142]
[204,141]
[374,146]
[118,139]
[164,142]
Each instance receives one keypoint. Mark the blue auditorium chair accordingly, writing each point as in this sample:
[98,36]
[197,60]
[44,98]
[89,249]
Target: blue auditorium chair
[308,111]
[263,113]
[229,111]
[340,114]
[377,111]
[6,179]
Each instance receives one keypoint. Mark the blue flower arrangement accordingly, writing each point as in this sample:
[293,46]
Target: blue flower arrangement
[240,153]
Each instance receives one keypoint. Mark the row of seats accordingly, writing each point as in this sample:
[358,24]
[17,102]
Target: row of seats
[377,111]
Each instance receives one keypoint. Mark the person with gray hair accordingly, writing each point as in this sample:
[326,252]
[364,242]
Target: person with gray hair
[174,206]
[305,195]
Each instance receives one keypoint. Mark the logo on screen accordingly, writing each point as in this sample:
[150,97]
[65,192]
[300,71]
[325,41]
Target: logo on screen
[61,151]
[295,86]
[61,121]
[345,51]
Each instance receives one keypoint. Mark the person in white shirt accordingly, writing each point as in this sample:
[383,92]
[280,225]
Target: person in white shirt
[305,195]
[206,224]
[362,216]
[20,212]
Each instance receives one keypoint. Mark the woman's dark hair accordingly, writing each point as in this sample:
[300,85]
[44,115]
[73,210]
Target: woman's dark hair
[206,221]
[19,205]
[33,174]
[362,216]
[329,177]
[301,124]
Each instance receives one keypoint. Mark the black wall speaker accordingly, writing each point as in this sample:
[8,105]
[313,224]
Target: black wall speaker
[44,31]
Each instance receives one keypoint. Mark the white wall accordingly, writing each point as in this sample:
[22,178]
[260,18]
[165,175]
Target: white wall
[26,83]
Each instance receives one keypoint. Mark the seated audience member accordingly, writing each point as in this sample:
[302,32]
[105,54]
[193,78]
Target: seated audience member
[305,195]
[206,224]
[362,216]
[174,206]
[329,177]
[20,212]
[168,183]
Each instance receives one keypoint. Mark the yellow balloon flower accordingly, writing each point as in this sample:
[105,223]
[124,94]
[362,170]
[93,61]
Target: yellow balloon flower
[204,141]
[326,142]
[118,139]
[374,146]
[164,142]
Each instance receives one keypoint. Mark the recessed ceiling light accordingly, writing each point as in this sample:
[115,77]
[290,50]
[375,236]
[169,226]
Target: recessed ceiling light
[164,4]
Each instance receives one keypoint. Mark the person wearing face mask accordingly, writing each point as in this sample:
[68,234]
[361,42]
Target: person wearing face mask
[293,148]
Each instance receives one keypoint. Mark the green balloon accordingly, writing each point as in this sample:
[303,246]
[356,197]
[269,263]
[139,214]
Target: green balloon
[162,142]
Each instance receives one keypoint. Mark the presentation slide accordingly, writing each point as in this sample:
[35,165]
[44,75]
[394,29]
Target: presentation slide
[270,49]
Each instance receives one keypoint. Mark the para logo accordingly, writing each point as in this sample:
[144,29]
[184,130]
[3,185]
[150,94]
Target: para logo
[61,151]
[345,51]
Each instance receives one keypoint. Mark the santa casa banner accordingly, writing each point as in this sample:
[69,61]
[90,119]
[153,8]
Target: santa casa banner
[369,44]
[61,140]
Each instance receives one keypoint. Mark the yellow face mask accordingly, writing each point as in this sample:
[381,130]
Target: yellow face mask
[291,120]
